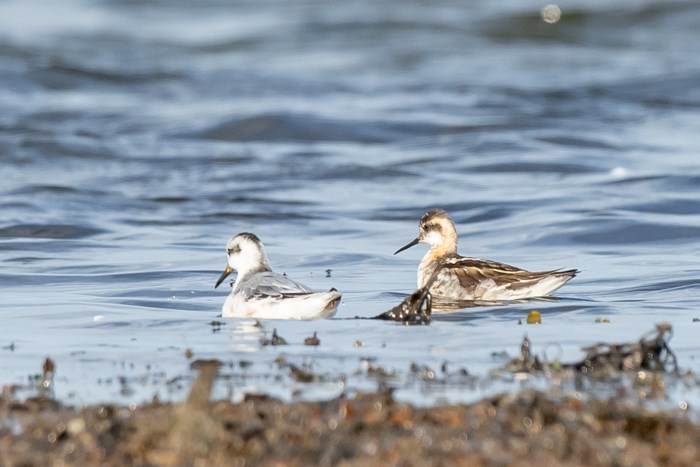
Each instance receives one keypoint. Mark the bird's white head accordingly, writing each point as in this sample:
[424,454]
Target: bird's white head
[246,255]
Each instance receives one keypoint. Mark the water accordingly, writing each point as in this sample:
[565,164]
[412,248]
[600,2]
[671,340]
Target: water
[137,137]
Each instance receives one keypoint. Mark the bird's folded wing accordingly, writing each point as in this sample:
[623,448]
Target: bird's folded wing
[272,285]
[470,272]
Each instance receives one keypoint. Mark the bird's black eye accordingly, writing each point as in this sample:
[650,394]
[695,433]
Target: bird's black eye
[234,250]
[433,227]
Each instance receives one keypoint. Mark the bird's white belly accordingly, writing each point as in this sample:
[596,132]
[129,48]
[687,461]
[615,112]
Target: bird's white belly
[308,306]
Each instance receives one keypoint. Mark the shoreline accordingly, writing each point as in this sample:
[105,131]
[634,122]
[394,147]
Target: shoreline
[565,424]
[529,427]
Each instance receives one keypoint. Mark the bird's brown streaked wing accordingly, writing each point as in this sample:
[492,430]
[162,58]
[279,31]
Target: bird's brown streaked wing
[471,272]
[450,279]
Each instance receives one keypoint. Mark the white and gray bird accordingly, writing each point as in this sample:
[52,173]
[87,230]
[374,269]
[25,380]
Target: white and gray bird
[261,293]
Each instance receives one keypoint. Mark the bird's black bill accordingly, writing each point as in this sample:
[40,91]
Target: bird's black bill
[406,247]
[223,276]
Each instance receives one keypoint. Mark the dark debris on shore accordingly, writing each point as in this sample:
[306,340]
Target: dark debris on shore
[529,427]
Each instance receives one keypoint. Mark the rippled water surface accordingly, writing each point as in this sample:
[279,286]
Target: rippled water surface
[137,137]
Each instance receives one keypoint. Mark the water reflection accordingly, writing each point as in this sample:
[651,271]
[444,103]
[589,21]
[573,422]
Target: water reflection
[245,334]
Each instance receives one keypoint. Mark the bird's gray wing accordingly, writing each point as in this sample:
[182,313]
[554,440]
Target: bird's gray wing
[270,284]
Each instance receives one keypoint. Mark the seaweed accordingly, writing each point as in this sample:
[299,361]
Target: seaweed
[414,309]
[651,352]
[274,340]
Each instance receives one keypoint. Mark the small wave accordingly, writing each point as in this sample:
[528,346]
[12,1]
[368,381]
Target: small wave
[668,206]
[61,74]
[619,233]
[536,167]
[53,231]
[308,128]
[669,286]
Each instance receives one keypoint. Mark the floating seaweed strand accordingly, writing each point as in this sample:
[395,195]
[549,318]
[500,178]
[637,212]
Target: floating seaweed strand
[414,309]
[651,353]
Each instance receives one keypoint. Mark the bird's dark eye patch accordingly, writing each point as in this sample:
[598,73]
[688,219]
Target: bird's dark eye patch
[433,227]
[234,250]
